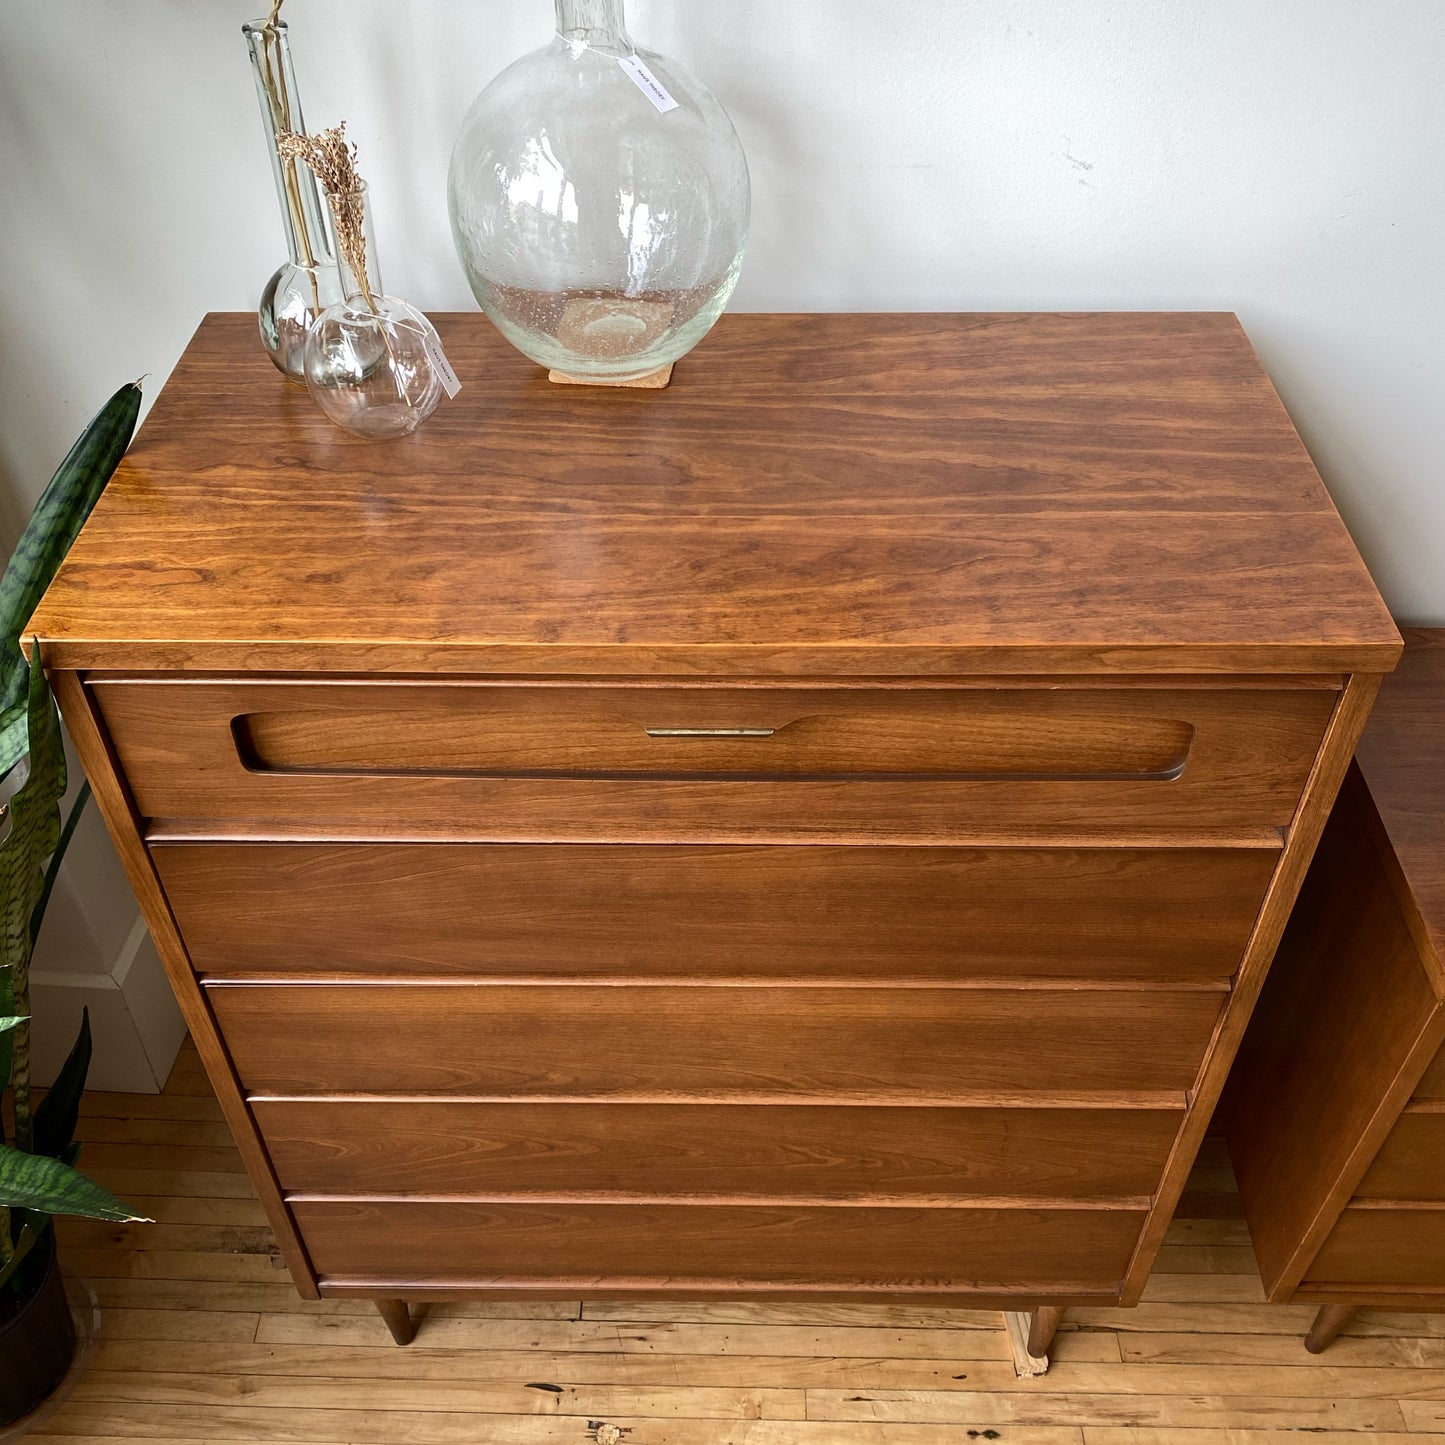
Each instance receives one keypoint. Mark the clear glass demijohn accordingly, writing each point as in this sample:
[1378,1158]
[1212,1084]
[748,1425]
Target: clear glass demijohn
[599,201]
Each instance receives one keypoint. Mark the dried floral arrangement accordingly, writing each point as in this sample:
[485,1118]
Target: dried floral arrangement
[332,159]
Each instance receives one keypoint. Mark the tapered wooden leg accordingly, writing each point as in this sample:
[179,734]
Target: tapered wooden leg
[398,1319]
[1327,1326]
[1043,1327]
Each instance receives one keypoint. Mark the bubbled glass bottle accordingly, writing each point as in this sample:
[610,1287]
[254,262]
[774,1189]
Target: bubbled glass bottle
[600,202]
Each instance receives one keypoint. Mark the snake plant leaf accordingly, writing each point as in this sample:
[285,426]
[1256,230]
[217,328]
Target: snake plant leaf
[34,1181]
[12,737]
[34,833]
[53,526]
[32,1231]
[10,1022]
[59,1111]
[7,1008]
[52,870]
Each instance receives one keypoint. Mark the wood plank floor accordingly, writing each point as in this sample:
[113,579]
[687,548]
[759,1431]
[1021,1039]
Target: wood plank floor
[203,1339]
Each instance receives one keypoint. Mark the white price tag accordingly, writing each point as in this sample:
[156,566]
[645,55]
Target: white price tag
[441,365]
[647,82]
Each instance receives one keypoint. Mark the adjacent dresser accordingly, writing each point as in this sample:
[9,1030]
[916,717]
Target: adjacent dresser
[817,830]
[1336,1113]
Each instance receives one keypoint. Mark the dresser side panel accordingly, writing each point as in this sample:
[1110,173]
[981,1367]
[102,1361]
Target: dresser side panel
[1326,776]
[113,799]
[1348,1021]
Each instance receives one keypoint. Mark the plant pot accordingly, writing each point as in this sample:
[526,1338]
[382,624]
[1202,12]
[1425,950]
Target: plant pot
[37,1339]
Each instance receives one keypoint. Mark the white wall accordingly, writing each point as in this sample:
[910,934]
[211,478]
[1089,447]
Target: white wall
[1280,158]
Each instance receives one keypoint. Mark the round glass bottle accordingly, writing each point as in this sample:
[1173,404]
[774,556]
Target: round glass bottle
[600,202]
[308,281]
[369,358]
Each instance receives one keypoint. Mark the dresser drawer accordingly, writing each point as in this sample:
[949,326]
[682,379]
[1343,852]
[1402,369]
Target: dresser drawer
[656,1041]
[1432,1083]
[1383,1248]
[660,910]
[553,763]
[1411,1162]
[760,1248]
[778,1151]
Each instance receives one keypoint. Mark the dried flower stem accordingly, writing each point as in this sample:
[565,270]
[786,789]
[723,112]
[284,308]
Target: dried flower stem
[333,161]
[273,78]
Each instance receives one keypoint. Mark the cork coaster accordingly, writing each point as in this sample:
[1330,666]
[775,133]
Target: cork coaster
[653,382]
[613,327]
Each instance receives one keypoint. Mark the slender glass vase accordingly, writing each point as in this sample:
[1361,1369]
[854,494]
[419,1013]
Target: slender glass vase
[600,202]
[308,281]
[373,362]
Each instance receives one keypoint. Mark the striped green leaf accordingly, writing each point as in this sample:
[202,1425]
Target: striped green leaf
[34,833]
[59,1110]
[53,526]
[34,1181]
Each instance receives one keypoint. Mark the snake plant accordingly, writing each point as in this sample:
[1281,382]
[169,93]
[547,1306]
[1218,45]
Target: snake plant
[37,1174]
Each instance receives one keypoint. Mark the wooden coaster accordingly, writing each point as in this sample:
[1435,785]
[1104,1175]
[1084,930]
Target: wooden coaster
[653,382]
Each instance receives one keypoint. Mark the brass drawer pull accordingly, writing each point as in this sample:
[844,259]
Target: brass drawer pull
[710,732]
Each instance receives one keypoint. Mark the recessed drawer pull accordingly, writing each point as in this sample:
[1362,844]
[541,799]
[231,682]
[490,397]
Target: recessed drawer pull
[710,732]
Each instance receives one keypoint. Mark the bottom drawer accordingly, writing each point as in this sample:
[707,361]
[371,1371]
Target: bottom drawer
[1384,1248]
[399,1146]
[595,1248]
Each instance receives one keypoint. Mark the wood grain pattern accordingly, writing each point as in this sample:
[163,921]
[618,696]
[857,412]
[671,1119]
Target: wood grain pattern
[812,494]
[1336,1165]
[1325,779]
[777,913]
[1431,1088]
[1410,1164]
[393,1146]
[1383,1246]
[1348,1019]
[667,1250]
[984,582]
[116,807]
[210,1344]
[413,756]
[659,1042]
[1402,758]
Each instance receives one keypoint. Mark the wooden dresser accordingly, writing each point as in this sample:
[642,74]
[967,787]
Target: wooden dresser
[818,830]
[1336,1114]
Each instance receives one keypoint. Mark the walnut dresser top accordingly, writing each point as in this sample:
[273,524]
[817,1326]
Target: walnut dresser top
[826,494]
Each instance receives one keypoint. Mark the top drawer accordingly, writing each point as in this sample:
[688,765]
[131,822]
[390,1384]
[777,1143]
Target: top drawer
[573,761]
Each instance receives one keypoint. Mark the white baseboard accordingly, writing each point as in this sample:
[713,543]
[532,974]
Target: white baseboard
[135,1022]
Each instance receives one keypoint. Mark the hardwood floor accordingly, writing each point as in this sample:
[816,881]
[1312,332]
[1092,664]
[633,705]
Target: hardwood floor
[204,1339]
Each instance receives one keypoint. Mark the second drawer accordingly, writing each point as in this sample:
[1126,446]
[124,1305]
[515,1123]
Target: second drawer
[658,1041]
[670,911]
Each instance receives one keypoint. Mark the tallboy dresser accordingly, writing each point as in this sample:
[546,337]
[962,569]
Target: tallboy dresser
[1335,1116]
[817,830]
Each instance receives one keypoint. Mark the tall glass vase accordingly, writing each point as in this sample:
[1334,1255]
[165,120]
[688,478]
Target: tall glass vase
[600,202]
[308,281]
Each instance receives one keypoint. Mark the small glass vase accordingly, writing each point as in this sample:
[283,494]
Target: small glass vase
[310,280]
[599,202]
[373,362]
